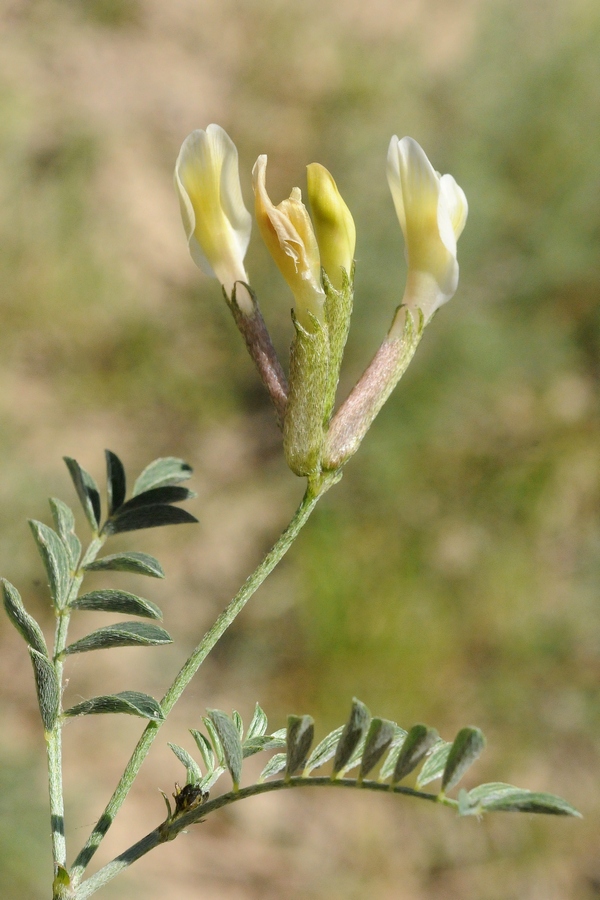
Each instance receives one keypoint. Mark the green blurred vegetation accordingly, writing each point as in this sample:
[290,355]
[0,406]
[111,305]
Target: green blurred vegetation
[453,574]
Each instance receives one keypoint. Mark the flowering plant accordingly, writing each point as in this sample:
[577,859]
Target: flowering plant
[316,258]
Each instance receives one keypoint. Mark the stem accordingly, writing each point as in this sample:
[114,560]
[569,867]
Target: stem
[54,753]
[169,830]
[54,737]
[316,488]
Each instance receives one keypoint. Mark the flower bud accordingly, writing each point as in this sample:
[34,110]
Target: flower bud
[216,222]
[288,233]
[432,211]
[333,222]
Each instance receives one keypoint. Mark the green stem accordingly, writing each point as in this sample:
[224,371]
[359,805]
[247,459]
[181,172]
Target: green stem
[169,830]
[316,488]
[54,737]
[54,753]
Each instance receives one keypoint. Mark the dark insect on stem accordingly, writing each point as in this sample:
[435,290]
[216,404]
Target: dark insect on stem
[189,797]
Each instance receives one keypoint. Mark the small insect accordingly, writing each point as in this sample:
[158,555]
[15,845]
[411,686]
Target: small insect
[189,797]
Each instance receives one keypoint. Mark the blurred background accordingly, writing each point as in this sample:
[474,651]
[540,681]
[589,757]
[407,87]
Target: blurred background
[452,576]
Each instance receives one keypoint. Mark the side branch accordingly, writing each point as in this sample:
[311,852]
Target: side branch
[193,663]
[170,829]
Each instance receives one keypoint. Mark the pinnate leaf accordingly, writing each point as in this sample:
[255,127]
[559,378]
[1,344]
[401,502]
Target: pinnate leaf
[110,600]
[435,763]
[164,471]
[64,523]
[258,725]
[300,735]
[194,775]
[211,777]
[498,797]
[138,563]
[147,517]
[467,747]
[230,742]
[324,751]
[389,763]
[131,703]
[156,496]
[262,742]
[205,749]
[239,724]
[123,634]
[380,735]
[276,764]
[418,741]
[55,559]
[116,483]
[354,731]
[47,686]
[87,491]
[21,619]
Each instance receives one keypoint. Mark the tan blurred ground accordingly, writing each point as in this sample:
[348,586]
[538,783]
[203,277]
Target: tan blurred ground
[111,339]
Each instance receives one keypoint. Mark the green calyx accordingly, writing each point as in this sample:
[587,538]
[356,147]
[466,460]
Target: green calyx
[315,361]
[303,428]
[338,310]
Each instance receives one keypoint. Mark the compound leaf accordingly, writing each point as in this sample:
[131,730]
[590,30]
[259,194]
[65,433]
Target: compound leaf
[47,686]
[498,797]
[194,775]
[418,741]
[87,491]
[133,561]
[300,735]
[380,735]
[109,600]
[205,749]
[230,741]
[147,517]
[467,747]
[116,483]
[258,725]
[275,765]
[56,561]
[435,763]
[64,523]
[131,703]
[123,634]
[353,733]
[324,750]
[156,496]
[390,761]
[21,619]
[262,742]
[165,471]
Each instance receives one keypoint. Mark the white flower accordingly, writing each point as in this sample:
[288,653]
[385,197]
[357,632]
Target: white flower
[216,222]
[432,210]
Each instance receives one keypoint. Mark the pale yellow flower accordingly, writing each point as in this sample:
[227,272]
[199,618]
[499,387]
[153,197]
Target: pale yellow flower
[289,236]
[432,210]
[216,222]
[333,222]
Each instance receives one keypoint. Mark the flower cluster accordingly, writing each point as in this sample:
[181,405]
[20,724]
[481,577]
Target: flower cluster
[316,258]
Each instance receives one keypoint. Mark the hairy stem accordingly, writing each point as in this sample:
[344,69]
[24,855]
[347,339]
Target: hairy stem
[316,488]
[54,753]
[169,830]
[54,737]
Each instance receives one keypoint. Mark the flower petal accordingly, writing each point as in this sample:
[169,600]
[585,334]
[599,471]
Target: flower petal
[216,222]
[334,225]
[432,212]
[456,202]
[288,233]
